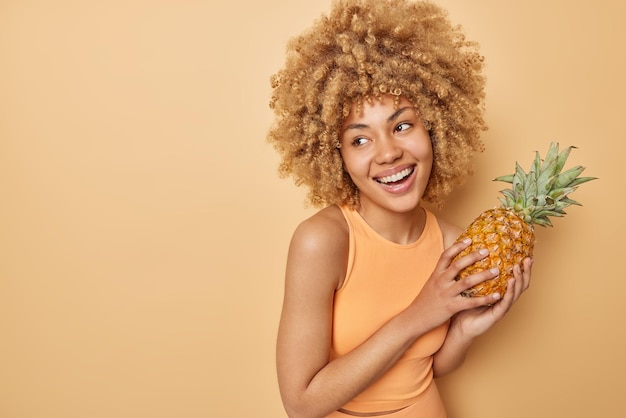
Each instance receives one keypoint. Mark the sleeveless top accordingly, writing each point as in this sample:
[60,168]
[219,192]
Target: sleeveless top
[382,279]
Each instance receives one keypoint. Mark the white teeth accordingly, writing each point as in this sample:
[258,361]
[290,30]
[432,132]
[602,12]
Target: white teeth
[395,177]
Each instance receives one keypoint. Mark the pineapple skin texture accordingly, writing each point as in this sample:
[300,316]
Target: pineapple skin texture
[509,240]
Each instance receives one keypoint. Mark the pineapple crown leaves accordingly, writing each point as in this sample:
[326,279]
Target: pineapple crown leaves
[543,191]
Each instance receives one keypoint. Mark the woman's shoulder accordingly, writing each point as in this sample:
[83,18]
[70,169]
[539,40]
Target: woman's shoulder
[320,247]
[327,227]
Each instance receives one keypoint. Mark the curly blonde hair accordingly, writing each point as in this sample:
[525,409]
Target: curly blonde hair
[361,50]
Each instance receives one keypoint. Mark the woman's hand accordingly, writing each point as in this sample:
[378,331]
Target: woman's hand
[476,321]
[441,299]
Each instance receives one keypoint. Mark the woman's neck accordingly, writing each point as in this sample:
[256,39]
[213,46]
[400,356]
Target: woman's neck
[399,227]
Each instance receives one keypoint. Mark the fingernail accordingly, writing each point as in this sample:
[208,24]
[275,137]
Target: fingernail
[496,296]
[467,241]
[483,251]
[495,270]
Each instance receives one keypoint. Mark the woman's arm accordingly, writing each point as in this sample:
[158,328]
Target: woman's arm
[310,385]
[467,325]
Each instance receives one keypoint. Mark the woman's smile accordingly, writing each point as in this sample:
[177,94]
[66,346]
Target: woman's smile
[397,182]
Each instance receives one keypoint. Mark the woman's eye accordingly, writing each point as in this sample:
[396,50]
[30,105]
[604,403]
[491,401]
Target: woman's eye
[403,127]
[359,141]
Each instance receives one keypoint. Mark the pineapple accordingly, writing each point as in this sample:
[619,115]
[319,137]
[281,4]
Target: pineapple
[508,231]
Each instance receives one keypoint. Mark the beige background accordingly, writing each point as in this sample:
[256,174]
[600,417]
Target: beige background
[143,229]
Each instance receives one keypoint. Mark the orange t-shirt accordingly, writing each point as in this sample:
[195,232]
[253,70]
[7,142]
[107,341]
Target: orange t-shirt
[382,279]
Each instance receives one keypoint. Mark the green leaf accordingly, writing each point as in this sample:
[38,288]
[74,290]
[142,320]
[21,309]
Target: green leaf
[581,180]
[565,178]
[536,166]
[551,155]
[569,202]
[560,160]
[507,179]
[543,221]
[558,194]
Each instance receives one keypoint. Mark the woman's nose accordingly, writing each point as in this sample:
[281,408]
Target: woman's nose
[387,151]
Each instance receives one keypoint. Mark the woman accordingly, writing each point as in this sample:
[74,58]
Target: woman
[379,109]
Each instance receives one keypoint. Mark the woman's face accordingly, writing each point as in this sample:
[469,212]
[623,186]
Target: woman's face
[387,152]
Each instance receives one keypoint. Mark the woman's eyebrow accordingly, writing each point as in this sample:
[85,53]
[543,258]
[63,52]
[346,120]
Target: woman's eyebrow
[356,126]
[391,118]
[397,113]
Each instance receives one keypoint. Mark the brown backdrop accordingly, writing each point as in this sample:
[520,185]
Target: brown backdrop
[143,229]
